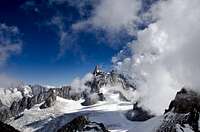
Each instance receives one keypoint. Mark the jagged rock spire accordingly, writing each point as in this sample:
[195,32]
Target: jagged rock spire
[96,70]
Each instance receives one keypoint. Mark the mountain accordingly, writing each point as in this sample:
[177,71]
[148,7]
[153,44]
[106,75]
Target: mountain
[183,112]
[7,128]
[107,102]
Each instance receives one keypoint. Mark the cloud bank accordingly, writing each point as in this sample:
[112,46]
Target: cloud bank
[166,53]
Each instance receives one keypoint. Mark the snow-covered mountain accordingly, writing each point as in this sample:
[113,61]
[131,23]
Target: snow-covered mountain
[107,102]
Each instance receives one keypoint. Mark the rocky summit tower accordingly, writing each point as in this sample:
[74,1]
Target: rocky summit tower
[96,70]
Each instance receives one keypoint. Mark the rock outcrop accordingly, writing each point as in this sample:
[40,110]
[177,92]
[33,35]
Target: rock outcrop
[68,93]
[183,112]
[27,102]
[185,101]
[38,89]
[93,99]
[174,121]
[7,128]
[4,113]
[101,78]
[138,114]
[112,78]
[1,104]
[82,124]
[50,100]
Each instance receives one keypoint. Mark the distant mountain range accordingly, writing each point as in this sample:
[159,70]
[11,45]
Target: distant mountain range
[106,102]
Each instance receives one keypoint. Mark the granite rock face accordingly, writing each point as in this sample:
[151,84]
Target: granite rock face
[93,99]
[101,78]
[7,128]
[82,124]
[185,101]
[4,113]
[138,114]
[38,89]
[183,112]
[174,121]
[64,92]
[27,102]
[1,104]
[50,100]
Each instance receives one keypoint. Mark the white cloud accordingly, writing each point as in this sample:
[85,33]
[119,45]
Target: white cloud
[112,15]
[79,84]
[116,18]
[10,42]
[166,54]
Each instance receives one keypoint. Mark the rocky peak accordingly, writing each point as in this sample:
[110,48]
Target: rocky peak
[185,101]
[183,111]
[50,100]
[96,70]
[82,124]
[101,78]
[7,128]
[138,113]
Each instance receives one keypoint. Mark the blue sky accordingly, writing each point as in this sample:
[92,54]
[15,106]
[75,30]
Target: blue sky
[44,58]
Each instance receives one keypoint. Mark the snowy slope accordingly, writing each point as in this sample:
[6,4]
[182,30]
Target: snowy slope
[111,113]
[7,96]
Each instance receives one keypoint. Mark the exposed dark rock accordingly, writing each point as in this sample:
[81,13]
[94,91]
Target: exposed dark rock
[183,110]
[64,92]
[138,114]
[97,70]
[50,100]
[82,124]
[27,102]
[185,101]
[75,96]
[101,97]
[1,104]
[4,113]
[38,89]
[23,104]
[92,99]
[101,79]
[173,120]
[112,78]
[18,116]
[7,128]
[32,101]
[41,97]
[14,108]
[67,93]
